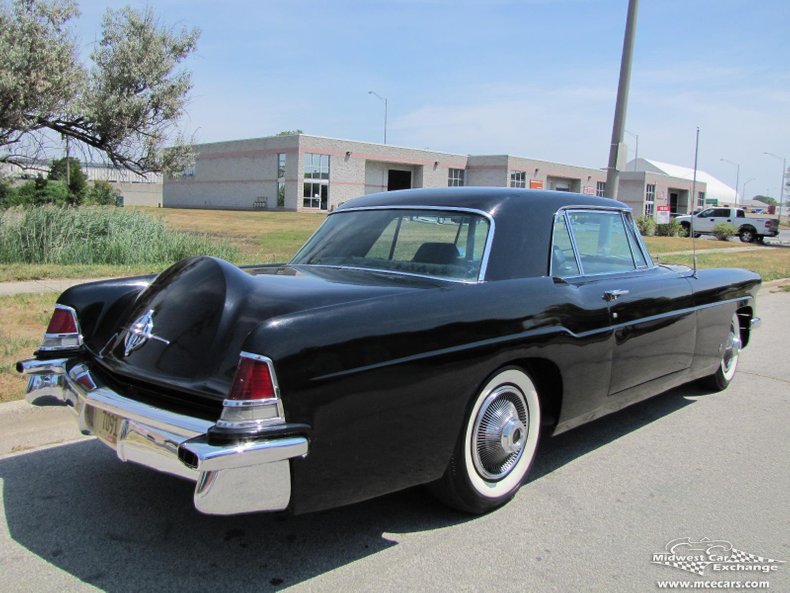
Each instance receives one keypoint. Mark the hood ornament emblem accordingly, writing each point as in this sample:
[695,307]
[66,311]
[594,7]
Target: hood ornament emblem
[141,330]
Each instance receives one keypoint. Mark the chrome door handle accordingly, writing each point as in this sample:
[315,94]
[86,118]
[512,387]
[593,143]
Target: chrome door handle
[613,295]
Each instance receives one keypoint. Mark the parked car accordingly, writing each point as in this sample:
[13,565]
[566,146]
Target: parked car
[419,337]
[750,229]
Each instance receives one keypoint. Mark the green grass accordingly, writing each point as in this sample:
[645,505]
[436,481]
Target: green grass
[97,236]
[658,245]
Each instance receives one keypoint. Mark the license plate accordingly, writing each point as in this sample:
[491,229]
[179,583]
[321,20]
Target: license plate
[106,426]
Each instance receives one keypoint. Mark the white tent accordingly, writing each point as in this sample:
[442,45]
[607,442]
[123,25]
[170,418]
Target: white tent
[716,189]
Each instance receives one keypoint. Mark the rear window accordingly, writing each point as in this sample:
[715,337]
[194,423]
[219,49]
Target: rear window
[439,243]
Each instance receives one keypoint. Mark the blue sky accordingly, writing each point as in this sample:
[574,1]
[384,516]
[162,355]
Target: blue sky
[533,78]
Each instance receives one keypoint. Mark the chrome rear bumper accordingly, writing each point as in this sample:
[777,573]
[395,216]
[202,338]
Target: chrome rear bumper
[232,478]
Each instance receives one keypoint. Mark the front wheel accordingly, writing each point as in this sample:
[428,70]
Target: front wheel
[731,350]
[496,447]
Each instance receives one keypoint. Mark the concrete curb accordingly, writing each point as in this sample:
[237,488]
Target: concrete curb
[24,427]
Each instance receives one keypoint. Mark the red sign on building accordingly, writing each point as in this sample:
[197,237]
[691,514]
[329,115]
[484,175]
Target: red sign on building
[535,184]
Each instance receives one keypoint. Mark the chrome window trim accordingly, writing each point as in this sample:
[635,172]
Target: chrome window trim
[483,261]
[563,211]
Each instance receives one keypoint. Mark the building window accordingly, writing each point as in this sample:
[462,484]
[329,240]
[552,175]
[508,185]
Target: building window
[281,158]
[701,199]
[281,165]
[455,178]
[600,189]
[316,181]
[650,199]
[518,179]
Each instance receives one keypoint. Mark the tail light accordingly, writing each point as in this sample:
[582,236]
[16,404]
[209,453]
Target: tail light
[254,397]
[63,331]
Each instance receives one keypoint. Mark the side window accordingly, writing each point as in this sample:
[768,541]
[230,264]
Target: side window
[636,245]
[740,214]
[706,213]
[602,241]
[563,261]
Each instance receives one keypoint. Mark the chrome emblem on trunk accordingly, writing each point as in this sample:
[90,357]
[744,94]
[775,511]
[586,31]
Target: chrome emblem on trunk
[141,330]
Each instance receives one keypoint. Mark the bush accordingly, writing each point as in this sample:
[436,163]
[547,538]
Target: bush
[97,235]
[724,230]
[672,229]
[102,193]
[646,225]
[37,192]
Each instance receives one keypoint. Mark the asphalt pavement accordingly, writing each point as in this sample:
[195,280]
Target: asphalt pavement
[600,502]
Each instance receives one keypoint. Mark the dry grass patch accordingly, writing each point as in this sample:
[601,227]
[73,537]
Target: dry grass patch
[25,318]
[771,263]
[261,237]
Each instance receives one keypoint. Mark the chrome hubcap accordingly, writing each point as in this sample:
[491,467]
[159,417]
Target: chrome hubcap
[500,432]
[731,351]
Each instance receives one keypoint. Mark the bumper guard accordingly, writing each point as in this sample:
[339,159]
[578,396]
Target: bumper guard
[240,477]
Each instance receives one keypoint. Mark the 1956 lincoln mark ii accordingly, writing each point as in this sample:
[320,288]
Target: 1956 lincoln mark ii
[419,337]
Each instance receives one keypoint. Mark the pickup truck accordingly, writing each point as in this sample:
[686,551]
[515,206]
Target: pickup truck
[749,229]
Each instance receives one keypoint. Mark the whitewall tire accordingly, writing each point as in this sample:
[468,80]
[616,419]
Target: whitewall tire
[497,444]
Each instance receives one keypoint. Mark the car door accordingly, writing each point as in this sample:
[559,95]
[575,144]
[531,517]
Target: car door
[650,310]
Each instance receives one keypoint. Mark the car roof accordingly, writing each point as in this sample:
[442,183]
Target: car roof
[523,219]
[487,199]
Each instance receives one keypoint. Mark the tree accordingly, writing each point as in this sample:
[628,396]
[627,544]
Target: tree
[76,180]
[125,105]
[766,200]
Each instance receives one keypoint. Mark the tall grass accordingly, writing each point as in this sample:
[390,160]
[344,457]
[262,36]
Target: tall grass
[98,235]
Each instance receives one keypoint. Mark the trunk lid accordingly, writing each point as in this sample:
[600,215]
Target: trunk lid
[186,329]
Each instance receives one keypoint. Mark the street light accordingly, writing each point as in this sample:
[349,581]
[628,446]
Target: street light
[636,148]
[737,176]
[375,94]
[781,187]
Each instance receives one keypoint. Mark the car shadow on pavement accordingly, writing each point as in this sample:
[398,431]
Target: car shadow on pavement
[556,451]
[123,528]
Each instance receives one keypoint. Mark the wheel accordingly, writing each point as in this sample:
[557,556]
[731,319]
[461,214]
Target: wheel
[496,446]
[747,235]
[729,358]
[685,229]
[761,238]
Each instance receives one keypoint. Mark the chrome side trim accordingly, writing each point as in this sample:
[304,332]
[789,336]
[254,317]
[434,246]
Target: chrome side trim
[236,477]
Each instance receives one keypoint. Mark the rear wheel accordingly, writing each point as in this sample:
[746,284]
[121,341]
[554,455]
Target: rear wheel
[496,447]
[747,235]
[729,358]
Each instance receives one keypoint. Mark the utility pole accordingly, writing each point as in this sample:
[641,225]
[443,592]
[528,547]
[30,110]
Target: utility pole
[622,100]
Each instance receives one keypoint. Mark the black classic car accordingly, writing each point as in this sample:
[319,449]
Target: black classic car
[418,337]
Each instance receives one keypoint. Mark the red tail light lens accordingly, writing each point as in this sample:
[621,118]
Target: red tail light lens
[63,331]
[64,321]
[253,379]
